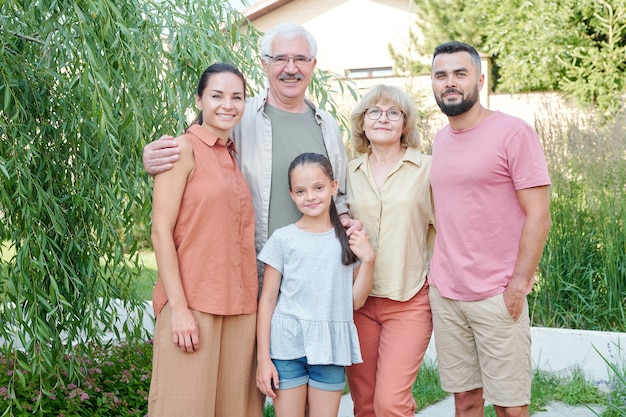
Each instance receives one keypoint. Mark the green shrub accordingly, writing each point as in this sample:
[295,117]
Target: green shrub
[115,382]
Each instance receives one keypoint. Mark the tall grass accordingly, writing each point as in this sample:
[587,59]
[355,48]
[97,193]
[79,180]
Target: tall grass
[582,279]
[427,389]
[615,404]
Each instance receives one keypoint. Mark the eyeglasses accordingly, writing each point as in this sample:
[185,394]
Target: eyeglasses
[375,113]
[284,59]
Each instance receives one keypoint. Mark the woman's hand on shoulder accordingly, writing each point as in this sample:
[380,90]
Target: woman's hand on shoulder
[186,159]
[168,189]
[160,155]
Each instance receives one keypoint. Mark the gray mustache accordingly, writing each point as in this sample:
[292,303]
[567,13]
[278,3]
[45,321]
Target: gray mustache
[297,76]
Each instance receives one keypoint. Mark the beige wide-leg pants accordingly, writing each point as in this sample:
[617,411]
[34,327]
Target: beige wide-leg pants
[218,380]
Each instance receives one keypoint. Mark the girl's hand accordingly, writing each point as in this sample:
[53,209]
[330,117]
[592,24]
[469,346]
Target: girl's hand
[185,332]
[267,377]
[363,275]
[360,245]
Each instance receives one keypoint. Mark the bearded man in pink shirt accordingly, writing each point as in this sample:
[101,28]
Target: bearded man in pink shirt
[490,187]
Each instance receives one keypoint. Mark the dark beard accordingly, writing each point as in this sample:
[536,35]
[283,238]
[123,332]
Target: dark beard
[458,108]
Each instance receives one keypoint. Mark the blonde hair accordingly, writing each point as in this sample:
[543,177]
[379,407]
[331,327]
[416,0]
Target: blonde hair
[385,94]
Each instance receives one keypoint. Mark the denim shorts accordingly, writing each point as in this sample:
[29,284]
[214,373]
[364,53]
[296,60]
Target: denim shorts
[295,372]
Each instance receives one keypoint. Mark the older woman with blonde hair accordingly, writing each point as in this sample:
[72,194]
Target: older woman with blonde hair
[388,190]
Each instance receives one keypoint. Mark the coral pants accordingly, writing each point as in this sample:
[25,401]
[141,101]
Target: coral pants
[394,336]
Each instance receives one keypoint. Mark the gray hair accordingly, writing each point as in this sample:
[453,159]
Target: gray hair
[286,31]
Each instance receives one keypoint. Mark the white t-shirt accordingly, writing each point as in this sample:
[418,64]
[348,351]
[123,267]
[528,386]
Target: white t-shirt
[313,314]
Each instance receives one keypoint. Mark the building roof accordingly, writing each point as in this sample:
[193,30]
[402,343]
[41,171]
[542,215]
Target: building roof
[262,8]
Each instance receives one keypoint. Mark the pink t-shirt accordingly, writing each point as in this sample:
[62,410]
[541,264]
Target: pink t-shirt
[475,176]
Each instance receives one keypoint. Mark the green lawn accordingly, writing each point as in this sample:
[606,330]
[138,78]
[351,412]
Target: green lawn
[147,276]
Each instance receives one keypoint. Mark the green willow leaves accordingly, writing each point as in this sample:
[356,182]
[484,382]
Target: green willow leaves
[84,85]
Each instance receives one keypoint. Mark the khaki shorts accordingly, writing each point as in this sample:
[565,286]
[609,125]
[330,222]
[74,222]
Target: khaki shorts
[478,345]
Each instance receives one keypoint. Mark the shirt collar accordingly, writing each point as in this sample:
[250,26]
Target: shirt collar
[263,99]
[209,138]
[411,155]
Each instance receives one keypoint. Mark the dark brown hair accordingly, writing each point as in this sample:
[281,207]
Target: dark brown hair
[347,256]
[217,68]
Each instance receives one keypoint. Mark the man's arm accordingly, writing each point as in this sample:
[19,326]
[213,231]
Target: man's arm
[350,224]
[536,204]
[159,155]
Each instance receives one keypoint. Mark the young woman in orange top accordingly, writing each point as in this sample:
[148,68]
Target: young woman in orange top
[205,299]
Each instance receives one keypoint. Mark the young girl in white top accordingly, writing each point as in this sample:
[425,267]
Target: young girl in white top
[312,283]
